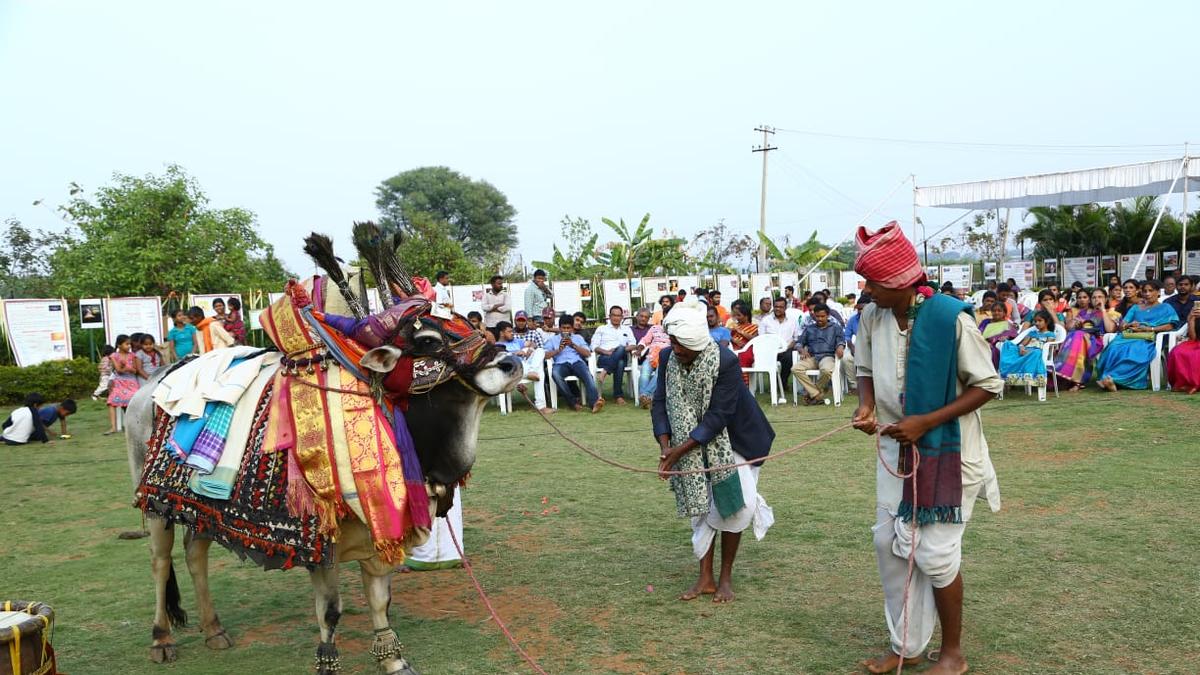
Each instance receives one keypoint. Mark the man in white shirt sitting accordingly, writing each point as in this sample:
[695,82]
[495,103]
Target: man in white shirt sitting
[779,323]
[532,355]
[614,344]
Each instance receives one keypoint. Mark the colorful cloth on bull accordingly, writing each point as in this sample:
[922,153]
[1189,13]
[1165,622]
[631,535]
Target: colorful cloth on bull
[210,443]
[254,522]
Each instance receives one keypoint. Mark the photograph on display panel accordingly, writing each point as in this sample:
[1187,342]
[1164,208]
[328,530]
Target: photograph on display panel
[91,313]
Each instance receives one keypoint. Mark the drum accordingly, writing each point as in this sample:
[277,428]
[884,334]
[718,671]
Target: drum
[25,638]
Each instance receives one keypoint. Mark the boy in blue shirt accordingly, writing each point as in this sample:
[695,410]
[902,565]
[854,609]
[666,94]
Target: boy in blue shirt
[52,413]
[570,353]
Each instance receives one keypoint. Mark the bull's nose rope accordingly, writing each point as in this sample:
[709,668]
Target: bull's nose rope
[638,469]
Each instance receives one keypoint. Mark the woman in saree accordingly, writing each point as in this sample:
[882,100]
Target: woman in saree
[1125,362]
[1024,363]
[742,330]
[997,330]
[1086,325]
[1183,364]
[1130,297]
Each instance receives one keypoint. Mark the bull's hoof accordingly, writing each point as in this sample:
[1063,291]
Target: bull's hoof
[328,662]
[164,653]
[219,640]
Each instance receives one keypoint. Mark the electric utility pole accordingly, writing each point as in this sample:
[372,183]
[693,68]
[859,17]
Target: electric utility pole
[762,208]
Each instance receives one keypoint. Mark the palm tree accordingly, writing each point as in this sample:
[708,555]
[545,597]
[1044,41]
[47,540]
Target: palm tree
[1064,231]
[799,258]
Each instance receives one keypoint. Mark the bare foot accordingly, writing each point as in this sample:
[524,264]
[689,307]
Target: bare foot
[620,400]
[888,662]
[948,664]
[702,587]
[547,411]
[724,592]
[599,406]
[1074,390]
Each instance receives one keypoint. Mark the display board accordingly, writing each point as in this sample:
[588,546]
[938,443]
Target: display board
[933,274]
[1192,263]
[687,283]
[467,298]
[38,330]
[818,280]
[516,296]
[760,287]
[1083,270]
[126,316]
[730,286]
[851,283]
[205,301]
[789,279]
[1108,264]
[635,291]
[1129,269]
[566,296]
[91,313]
[1050,269]
[654,288]
[989,271]
[616,292]
[1170,261]
[1020,271]
[960,275]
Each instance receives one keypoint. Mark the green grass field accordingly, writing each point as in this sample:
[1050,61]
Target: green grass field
[1090,568]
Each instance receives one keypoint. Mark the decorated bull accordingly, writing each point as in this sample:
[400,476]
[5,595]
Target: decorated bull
[340,446]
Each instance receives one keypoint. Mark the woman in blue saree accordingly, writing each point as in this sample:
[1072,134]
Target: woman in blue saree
[1125,362]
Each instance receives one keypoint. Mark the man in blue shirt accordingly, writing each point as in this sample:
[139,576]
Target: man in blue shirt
[532,356]
[820,346]
[570,354]
[719,333]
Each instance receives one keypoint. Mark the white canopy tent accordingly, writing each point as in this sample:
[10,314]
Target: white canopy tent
[1069,188]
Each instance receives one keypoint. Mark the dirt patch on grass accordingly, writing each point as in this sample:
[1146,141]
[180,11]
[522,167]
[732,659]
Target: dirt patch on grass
[268,634]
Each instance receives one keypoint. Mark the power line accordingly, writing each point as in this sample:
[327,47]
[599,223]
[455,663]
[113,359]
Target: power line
[978,145]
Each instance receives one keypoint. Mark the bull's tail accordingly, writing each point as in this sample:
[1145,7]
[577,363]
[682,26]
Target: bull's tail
[175,610]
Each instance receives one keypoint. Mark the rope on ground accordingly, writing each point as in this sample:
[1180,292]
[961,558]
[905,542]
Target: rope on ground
[638,469]
[492,610]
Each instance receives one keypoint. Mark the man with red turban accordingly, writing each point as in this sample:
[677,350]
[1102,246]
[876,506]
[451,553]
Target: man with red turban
[924,371]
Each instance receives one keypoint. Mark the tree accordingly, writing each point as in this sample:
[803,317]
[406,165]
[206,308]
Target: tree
[24,262]
[477,215]
[154,234]
[980,237]
[429,246]
[800,258]
[718,248]
[577,233]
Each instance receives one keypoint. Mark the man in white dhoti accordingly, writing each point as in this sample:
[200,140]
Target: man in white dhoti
[924,371]
[705,417]
[438,552]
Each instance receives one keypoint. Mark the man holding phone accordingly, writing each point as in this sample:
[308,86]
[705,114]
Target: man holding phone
[570,354]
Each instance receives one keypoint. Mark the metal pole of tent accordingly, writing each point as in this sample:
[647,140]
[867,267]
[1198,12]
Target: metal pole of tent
[913,177]
[1182,165]
[1183,243]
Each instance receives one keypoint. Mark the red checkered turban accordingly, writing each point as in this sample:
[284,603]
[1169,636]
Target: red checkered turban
[887,258]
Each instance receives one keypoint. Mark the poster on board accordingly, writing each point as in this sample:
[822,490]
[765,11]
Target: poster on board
[958,275]
[1170,260]
[1083,270]
[616,292]
[818,280]
[205,301]
[91,313]
[635,291]
[789,279]
[126,316]
[1050,269]
[760,287]
[37,330]
[654,288]
[1020,271]
[467,298]
[567,297]
[1192,263]
[1108,264]
[934,274]
[989,271]
[1131,270]
[687,283]
[851,283]
[730,286]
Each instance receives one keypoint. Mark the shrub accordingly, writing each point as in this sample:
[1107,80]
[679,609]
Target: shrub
[55,380]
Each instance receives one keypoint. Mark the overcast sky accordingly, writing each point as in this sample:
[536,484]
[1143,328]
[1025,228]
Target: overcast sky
[297,110]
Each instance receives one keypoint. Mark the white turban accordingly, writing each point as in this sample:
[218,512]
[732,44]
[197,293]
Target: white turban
[688,322]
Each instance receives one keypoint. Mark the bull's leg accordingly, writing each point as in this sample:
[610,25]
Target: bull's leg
[197,561]
[329,612]
[387,648]
[166,591]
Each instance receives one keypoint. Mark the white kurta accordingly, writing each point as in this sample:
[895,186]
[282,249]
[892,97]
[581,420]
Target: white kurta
[881,354]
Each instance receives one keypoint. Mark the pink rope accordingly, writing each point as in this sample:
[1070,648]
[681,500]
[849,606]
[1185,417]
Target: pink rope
[492,610]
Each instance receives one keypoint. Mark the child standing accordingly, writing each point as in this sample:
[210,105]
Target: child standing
[234,324]
[106,371]
[149,357]
[126,371]
[182,338]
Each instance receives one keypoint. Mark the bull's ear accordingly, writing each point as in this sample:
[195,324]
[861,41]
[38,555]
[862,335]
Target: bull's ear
[381,359]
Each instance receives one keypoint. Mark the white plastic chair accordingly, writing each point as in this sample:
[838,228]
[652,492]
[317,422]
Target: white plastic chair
[766,362]
[1049,350]
[549,367]
[1163,344]
[836,380]
[505,400]
[595,369]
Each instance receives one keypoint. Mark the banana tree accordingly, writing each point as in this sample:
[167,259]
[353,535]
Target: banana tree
[802,257]
[624,255]
[585,266]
